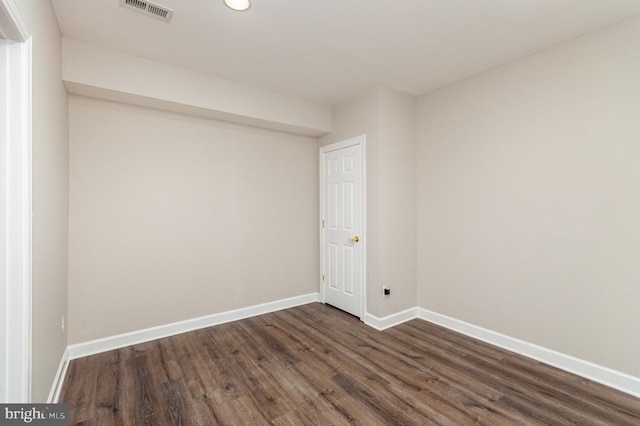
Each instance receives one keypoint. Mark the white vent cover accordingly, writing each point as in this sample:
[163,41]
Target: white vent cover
[148,8]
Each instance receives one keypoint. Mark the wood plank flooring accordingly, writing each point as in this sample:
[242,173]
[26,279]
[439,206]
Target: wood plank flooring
[315,365]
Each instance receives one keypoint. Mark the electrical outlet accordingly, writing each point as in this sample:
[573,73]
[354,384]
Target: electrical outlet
[386,291]
[62,325]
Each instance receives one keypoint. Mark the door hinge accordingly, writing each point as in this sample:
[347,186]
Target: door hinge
[324,169]
[323,224]
[322,277]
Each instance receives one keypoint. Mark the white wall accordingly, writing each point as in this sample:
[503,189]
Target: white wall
[528,198]
[174,217]
[50,197]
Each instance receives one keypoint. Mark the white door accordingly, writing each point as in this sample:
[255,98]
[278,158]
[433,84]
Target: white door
[342,232]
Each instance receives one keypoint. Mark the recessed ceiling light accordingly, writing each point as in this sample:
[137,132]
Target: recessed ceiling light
[238,4]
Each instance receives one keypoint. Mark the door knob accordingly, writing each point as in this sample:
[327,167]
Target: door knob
[355,239]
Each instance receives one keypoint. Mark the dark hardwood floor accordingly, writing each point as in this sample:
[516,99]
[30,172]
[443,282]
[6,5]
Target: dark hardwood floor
[319,366]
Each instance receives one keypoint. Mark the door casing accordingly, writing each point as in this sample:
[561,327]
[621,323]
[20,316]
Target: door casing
[15,204]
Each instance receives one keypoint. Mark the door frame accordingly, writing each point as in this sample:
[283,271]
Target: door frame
[16,204]
[360,141]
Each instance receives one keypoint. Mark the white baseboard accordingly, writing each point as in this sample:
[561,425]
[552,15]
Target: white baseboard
[597,373]
[606,376]
[390,320]
[92,347]
[56,387]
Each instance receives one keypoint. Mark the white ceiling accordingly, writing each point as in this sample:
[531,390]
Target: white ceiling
[329,50]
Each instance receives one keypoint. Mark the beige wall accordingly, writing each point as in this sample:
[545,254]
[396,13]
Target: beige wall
[528,198]
[174,217]
[95,71]
[50,198]
[386,117]
[397,202]
[526,204]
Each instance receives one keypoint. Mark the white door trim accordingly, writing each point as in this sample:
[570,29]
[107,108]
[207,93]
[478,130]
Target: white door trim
[13,26]
[15,211]
[356,141]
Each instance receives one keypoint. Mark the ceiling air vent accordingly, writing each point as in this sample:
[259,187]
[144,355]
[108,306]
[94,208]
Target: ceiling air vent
[148,8]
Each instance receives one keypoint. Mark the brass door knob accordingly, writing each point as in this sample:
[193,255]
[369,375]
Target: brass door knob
[355,239]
